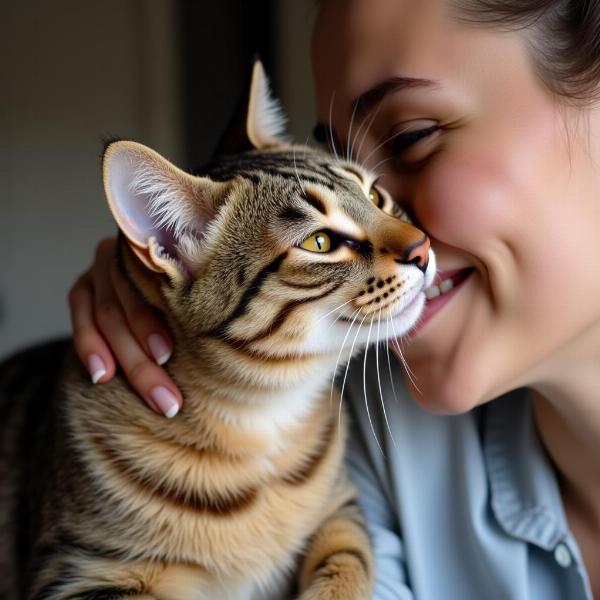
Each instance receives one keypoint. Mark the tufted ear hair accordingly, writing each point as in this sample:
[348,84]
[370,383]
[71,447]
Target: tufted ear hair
[162,211]
[258,121]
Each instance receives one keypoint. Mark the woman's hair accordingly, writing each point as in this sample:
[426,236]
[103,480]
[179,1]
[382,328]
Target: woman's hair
[564,36]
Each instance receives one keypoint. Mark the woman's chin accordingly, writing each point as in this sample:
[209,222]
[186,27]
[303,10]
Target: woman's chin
[445,389]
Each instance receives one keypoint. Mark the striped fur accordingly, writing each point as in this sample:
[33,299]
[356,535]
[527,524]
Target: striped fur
[242,496]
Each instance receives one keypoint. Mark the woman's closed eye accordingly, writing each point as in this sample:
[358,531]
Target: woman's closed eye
[413,146]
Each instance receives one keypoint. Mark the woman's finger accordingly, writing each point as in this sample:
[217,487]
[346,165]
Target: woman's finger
[89,344]
[146,325]
[149,380]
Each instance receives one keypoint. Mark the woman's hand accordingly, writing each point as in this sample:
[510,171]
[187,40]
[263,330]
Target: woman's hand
[111,322]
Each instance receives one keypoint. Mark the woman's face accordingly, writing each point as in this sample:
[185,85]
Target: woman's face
[502,178]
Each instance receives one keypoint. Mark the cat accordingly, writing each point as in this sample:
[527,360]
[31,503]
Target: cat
[263,264]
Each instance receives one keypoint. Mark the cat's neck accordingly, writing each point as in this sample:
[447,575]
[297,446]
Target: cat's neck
[252,400]
[246,378]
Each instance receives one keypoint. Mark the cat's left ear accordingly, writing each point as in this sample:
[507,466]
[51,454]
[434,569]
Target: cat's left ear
[258,121]
[162,211]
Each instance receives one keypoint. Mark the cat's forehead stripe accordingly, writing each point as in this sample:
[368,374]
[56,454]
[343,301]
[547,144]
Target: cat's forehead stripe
[314,201]
[336,219]
[307,166]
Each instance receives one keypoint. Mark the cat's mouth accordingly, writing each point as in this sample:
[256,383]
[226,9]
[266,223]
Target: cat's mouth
[388,306]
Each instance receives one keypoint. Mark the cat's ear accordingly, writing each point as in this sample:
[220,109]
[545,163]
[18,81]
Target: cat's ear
[258,121]
[162,211]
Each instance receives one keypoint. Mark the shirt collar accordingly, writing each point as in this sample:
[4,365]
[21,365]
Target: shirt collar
[525,496]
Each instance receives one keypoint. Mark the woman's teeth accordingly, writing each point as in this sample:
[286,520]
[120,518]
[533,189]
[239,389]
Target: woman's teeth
[433,291]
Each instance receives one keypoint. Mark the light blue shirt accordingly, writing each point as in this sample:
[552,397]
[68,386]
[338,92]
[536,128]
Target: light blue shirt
[460,507]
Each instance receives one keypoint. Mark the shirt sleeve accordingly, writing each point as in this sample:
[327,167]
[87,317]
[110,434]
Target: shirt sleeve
[390,573]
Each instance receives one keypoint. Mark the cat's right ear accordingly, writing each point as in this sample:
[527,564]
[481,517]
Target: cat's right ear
[162,211]
[258,121]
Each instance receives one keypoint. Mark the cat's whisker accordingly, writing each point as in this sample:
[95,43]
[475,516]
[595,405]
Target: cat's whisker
[387,423]
[396,345]
[407,368]
[369,122]
[365,388]
[330,129]
[339,317]
[400,345]
[332,311]
[346,376]
[349,140]
[381,162]
[389,360]
[337,362]
[297,174]
[387,140]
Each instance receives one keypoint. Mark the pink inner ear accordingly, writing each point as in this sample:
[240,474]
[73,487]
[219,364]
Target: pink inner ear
[150,198]
[130,206]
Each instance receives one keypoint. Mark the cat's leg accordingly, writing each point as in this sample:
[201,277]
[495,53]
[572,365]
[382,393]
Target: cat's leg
[338,564]
[70,575]
[61,592]
[80,575]
[108,594]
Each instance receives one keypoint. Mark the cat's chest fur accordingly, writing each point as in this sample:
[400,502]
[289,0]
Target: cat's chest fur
[189,583]
[219,494]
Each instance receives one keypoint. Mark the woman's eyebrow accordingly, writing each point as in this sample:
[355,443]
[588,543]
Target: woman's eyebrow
[367,100]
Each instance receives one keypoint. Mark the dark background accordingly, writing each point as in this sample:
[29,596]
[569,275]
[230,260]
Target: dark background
[230,38]
[167,73]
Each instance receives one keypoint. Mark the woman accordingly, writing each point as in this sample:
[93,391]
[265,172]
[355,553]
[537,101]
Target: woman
[483,118]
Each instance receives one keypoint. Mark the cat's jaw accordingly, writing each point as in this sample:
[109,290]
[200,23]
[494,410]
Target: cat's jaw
[215,367]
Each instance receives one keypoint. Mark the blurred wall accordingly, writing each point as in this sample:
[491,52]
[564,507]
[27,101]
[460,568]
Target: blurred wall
[71,73]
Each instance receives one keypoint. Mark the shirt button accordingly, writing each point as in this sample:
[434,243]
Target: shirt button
[562,556]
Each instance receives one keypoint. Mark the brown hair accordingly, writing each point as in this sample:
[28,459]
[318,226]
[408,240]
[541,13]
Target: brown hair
[565,40]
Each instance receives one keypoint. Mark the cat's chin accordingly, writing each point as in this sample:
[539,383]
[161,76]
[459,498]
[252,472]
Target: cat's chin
[360,331]
[408,317]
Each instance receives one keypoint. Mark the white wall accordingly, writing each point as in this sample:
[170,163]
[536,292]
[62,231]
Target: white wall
[71,72]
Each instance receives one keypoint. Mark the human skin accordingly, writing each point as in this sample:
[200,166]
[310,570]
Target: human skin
[508,185]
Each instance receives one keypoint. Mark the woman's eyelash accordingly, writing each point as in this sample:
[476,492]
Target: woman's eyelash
[404,140]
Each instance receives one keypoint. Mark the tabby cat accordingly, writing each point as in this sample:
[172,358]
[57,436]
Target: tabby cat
[263,265]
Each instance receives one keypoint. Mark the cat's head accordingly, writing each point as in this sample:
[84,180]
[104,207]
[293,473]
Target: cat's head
[275,249]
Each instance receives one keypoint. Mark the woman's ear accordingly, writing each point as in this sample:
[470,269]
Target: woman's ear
[162,211]
[258,121]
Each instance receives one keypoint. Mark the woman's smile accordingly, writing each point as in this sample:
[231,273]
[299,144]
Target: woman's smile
[445,287]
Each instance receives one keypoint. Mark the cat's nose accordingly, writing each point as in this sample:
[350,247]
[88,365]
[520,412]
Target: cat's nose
[416,254]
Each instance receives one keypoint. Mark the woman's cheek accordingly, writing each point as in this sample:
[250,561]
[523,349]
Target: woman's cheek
[461,202]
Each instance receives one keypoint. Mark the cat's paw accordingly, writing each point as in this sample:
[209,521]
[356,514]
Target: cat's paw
[338,581]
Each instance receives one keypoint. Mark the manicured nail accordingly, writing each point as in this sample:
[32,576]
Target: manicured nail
[159,348]
[96,368]
[165,401]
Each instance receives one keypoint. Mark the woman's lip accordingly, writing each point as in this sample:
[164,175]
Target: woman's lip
[457,275]
[434,305]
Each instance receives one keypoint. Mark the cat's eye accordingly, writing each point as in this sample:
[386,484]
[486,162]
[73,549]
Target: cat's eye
[317,242]
[375,197]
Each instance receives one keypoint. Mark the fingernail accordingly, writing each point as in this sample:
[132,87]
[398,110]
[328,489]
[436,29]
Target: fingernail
[165,401]
[96,368]
[159,348]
